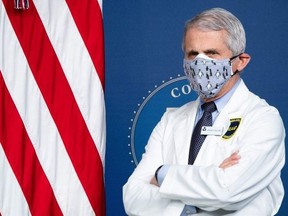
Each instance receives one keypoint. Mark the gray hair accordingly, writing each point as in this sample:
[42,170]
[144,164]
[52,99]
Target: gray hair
[217,19]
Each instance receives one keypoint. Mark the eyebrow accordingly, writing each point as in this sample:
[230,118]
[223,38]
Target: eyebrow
[206,52]
[211,51]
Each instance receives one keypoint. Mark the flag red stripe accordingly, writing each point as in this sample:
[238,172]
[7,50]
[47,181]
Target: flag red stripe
[23,159]
[91,30]
[59,98]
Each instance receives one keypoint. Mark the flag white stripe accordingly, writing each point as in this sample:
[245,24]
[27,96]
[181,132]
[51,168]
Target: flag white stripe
[77,65]
[12,200]
[40,126]
[100,2]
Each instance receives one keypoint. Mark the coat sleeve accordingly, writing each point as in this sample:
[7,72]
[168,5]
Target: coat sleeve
[139,196]
[261,145]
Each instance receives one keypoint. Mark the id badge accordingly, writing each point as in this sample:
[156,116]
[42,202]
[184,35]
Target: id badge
[208,130]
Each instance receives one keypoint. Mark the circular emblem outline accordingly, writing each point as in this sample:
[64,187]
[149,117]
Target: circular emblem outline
[137,113]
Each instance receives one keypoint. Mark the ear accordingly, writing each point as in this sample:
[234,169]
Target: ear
[242,62]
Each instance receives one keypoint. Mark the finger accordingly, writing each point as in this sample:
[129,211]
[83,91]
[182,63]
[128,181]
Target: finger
[230,161]
[227,164]
[235,154]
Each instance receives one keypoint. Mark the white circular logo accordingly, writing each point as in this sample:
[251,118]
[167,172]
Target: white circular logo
[171,94]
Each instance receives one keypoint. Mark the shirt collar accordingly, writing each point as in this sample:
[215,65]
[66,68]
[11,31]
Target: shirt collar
[221,102]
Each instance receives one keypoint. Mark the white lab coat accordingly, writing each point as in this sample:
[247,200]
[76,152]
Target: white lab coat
[251,188]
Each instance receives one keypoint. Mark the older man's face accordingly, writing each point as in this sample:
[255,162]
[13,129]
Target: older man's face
[210,43]
[213,45]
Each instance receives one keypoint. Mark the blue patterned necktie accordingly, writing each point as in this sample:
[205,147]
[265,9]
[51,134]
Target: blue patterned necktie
[198,139]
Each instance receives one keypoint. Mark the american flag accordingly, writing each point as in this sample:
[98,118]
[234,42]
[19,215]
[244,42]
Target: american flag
[52,112]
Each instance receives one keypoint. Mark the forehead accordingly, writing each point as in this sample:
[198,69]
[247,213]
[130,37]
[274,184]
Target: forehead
[199,40]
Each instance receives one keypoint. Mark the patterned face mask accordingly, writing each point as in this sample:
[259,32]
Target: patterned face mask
[206,75]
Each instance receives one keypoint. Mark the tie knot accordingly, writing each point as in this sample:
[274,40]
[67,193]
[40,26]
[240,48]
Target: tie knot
[209,107]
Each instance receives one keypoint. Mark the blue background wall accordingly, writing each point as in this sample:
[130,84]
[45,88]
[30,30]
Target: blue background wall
[143,49]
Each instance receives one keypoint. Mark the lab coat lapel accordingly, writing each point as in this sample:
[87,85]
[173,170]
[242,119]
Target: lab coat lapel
[232,108]
[183,132]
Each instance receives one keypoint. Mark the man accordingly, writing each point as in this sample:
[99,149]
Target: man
[231,163]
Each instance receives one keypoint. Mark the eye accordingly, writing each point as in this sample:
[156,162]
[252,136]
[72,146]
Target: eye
[211,53]
[191,55]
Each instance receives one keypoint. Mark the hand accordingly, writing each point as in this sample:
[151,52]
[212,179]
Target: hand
[154,181]
[230,161]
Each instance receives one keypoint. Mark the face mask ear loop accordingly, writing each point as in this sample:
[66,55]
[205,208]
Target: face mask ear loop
[231,61]
[234,57]
[235,73]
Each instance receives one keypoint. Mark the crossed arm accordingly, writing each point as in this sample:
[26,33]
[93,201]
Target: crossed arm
[228,162]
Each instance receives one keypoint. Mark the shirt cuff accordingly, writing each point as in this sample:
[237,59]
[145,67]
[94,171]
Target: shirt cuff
[162,173]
